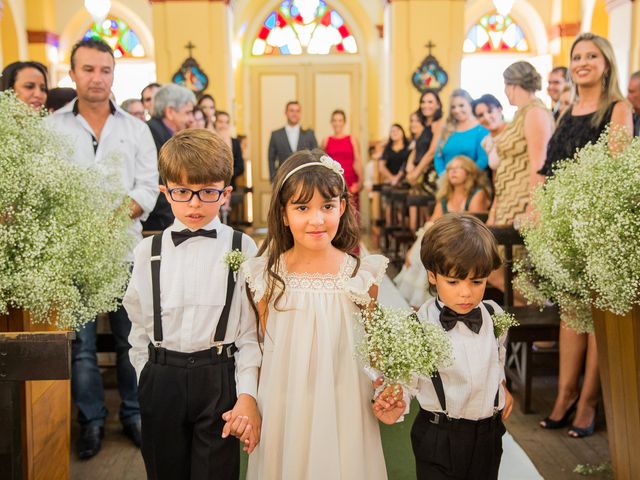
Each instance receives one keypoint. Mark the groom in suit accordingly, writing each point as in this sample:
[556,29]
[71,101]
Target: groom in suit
[289,139]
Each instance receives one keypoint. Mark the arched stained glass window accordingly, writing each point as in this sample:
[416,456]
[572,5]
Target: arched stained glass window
[495,33]
[117,34]
[304,26]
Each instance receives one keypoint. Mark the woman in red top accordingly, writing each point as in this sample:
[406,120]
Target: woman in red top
[344,149]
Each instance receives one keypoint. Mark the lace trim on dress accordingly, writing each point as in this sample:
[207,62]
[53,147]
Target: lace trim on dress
[255,282]
[319,281]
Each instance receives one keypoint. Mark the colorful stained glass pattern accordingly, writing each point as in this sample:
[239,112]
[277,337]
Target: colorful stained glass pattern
[304,26]
[117,34]
[495,33]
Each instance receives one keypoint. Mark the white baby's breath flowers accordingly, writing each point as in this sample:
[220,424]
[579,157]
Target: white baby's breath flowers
[502,322]
[583,241]
[397,344]
[234,259]
[62,242]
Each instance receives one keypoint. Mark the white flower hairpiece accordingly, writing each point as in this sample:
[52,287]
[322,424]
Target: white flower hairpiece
[330,163]
[325,161]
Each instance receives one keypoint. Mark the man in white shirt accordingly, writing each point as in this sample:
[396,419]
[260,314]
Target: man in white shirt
[106,137]
[290,138]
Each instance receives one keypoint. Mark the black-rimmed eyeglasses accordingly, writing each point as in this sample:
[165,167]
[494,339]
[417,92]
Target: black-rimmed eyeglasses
[206,195]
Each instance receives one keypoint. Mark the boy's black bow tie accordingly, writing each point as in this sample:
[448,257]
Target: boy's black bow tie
[472,319]
[184,235]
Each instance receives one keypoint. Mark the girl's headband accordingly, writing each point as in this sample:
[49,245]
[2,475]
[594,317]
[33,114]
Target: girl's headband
[325,161]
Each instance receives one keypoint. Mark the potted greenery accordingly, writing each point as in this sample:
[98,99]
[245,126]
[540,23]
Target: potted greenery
[583,249]
[63,238]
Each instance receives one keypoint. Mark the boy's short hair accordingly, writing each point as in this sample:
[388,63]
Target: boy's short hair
[459,244]
[195,156]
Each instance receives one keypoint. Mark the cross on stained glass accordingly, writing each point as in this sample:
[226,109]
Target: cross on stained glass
[430,45]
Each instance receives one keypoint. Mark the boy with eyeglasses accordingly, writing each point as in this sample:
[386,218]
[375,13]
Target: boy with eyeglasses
[193,333]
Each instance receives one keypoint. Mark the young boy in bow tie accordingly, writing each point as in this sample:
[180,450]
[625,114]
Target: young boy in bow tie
[193,337]
[458,432]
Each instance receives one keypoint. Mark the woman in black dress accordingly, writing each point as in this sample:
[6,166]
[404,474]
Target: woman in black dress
[599,102]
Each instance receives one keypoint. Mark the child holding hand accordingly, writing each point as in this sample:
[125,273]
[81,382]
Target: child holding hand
[458,432]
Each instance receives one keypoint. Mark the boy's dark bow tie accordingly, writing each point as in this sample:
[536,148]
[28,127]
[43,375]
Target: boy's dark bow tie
[186,234]
[472,319]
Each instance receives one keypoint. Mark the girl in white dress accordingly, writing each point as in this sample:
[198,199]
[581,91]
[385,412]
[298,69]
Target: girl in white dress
[314,397]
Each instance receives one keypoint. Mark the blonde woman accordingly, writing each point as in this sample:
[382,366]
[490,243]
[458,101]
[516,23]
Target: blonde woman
[599,102]
[465,190]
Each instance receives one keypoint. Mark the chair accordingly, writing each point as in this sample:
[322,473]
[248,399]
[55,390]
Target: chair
[535,324]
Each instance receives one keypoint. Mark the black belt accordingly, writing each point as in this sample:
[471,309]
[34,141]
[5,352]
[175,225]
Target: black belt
[210,356]
[440,418]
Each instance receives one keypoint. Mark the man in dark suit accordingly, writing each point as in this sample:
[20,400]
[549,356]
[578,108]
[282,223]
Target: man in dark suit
[172,113]
[289,138]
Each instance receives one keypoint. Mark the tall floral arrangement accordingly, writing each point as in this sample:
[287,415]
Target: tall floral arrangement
[583,242]
[63,233]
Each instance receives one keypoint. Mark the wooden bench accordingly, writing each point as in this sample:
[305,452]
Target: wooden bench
[535,325]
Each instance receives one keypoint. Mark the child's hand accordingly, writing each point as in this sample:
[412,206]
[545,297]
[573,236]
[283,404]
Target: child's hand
[244,422]
[508,403]
[388,413]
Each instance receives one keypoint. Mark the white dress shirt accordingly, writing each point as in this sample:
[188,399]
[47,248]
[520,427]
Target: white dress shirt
[293,135]
[125,143]
[193,280]
[476,374]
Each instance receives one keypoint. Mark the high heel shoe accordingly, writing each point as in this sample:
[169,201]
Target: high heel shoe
[577,432]
[551,424]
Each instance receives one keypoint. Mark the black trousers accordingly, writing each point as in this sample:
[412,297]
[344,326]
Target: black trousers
[182,398]
[457,449]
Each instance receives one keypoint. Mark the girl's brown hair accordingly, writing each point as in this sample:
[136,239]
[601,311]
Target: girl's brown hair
[476,179]
[459,245]
[300,188]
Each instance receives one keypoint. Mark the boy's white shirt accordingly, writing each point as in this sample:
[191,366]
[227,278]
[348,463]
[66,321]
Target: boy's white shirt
[476,373]
[193,279]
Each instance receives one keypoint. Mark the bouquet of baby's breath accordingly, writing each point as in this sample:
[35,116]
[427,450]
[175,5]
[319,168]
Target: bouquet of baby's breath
[62,238]
[502,322]
[397,344]
[583,241]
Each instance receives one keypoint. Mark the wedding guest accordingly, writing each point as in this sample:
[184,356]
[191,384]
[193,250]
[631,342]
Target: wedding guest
[29,82]
[634,98]
[344,149]
[290,138]
[393,158]
[207,104]
[199,120]
[146,97]
[223,128]
[599,103]
[314,396]
[58,98]
[420,167]
[101,132]
[197,355]
[134,107]
[565,100]
[488,110]
[462,134]
[465,189]
[557,81]
[458,431]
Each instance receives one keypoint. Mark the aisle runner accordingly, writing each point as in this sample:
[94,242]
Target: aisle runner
[515,465]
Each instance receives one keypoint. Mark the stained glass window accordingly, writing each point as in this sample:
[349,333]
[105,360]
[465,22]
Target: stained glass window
[304,26]
[495,33]
[117,34]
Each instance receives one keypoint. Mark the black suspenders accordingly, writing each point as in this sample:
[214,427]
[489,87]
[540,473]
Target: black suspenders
[436,379]
[221,329]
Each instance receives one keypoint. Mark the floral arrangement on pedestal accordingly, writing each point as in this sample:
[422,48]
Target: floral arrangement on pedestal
[63,231]
[583,243]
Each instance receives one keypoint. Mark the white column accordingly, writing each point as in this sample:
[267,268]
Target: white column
[620,28]
[587,6]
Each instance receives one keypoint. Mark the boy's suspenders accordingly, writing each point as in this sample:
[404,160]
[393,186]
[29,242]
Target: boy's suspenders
[221,329]
[436,379]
